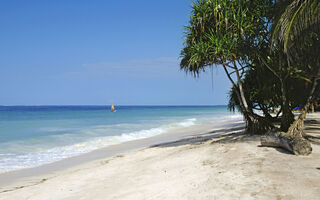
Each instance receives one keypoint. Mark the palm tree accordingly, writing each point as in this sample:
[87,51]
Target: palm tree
[297,33]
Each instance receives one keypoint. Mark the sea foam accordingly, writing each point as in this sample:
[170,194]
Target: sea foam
[37,135]
[40,156]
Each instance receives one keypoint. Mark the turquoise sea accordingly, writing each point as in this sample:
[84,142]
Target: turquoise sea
[35,135]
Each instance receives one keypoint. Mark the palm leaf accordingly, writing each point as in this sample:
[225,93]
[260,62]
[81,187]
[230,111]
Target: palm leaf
[299,17]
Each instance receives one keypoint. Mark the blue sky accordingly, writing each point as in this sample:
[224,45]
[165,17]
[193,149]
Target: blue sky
[99,52]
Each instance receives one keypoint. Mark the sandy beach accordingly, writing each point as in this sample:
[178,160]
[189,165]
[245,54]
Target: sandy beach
[202,162]
[160,100]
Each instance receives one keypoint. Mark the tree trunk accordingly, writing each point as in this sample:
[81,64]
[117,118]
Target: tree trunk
[312,108]
[296,129]
[242,107]
[293,140]
[256,124]
[242,96]
[294,144]
[287,117]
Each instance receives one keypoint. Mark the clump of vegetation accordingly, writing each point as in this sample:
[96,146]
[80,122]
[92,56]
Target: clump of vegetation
[269,51]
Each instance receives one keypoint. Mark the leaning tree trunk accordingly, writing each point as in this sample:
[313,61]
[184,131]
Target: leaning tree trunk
[293,140]
[255,124]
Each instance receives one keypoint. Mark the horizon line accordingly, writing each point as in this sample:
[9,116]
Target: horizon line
[119,105]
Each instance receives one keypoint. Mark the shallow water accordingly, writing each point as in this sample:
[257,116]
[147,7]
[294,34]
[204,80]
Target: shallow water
[34,135]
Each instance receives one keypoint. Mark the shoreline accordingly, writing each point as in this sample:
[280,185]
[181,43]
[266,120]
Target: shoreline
[51,169]
[68,132]
[206,162]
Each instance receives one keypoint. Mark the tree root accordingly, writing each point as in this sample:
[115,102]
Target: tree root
[257,125]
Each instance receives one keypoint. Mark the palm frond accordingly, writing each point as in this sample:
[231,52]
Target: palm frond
[298,18]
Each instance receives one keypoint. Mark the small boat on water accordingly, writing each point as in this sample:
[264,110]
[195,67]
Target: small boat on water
[112,108]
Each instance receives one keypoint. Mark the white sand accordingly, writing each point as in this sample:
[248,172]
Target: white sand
[232,166]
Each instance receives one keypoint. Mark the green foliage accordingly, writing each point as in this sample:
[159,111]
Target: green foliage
[262,90]
[275,43]
[296,33]
[223,31]
[299,18]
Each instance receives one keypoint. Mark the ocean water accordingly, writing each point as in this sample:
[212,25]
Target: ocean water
[35,135]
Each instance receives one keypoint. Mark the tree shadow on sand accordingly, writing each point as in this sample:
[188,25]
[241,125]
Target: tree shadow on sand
[224,135]
[312,130]
[284,151]
[236,134]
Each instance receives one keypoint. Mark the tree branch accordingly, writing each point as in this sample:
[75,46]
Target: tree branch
[268,66]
